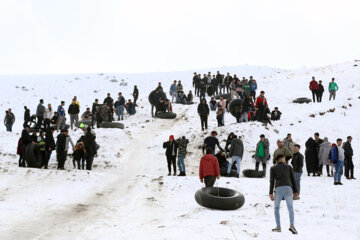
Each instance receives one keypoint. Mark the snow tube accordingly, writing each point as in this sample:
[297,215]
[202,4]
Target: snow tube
[166,115]
[155,101]
[34,158]
[219,198]
[302,100]
[223,172]
[251,173]
[235,107]
[85,122]
[112,125]
[225,96]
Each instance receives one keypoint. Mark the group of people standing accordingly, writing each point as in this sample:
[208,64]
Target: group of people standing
[317,89]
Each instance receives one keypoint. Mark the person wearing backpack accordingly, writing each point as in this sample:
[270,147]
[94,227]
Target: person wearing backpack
[337,158]
[333,87]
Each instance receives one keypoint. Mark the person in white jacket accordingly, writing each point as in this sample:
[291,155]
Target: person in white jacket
[48,114]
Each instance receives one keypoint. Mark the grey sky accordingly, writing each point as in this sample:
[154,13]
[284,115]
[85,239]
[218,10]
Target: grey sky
[74,36]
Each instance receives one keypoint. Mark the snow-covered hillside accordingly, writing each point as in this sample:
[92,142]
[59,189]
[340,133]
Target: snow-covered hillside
[128,195]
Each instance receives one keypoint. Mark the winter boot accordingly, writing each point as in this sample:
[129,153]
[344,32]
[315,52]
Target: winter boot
[293,230]
[277,229]
[174,173]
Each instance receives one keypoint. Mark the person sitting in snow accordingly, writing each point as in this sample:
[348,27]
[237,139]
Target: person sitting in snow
[213,104]
[130,107]
[276,114]
[86,115]
[189,97]
[182,98]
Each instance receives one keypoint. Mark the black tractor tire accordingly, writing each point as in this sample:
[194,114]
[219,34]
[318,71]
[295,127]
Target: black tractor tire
[166,115]
[219,198]
[112,125]
[235,107]
[251,173]
[226,96]
[34,158]
[302,100]
[223,172]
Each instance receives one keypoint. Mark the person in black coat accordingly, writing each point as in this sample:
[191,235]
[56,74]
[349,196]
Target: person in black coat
[349,165]
[203,111]
[276,114]
[135,95]
[93,112]
[60,149]
[50,145]
[90,149]
[320,91]
[311,158]
[26,139]
[297,162]
[26,116]
[109,102]
[171,153]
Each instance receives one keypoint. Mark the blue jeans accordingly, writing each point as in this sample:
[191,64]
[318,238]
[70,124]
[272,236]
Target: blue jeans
[339,168]
[287,193]
[213,107]
[236,159]
[181,164]
[120,111]
[244,117]
[9,128]
[297,180]
[174,95]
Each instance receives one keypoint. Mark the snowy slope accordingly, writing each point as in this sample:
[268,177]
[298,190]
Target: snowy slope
[129,196]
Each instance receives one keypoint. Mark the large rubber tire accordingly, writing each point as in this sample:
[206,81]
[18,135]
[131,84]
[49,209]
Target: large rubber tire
[166,115]
[85,122]
[251,173]
[226,96]
[223,172]
[112,125]
[235,106]
[228,199]
[34,159]
[161,93]
[302,100]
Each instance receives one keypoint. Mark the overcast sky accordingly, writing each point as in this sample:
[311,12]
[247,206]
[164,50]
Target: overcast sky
[81,36]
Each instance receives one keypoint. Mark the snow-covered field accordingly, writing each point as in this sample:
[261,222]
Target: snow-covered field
[128,195]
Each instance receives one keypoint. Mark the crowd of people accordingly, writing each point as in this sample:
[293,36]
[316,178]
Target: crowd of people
[46,121]
[317,89]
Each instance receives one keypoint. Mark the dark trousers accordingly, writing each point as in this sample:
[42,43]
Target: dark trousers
[47,122]
[61,158]
[197,91]
[39,122]
[204,120]
[216,92]
[349,168]
[263,167]
[319,96]
[171,161]
[253,95]
[23,160]
[47,158]
[20,160]
[314,95]
[209,181]
[327,169]
[135,99]
[227,89]
[89,161]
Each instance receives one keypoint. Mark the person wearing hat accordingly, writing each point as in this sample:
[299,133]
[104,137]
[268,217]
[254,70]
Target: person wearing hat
[171,153]
[276,114]
[320,91]
[349,165]
[283,181]
[297,162]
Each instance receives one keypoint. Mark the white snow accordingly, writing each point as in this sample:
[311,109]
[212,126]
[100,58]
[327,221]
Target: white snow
[128,195]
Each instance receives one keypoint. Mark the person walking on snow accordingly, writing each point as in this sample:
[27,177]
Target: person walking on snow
[236,154]
[73,111]
[171,152]
[262,153]
[349,165]
[209,168]
[337,158]
[174,91]
[333,87]
[283,180]
[182,145]
[297,163]
[203,111]
[314,87]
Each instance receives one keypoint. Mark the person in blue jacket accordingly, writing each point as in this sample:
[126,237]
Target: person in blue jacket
[119,105]
[337,158]
[61,116]
[253,87]
[174,92]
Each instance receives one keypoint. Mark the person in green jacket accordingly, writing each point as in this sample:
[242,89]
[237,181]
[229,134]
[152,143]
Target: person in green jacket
[246,88]
[262,153]
[333,87]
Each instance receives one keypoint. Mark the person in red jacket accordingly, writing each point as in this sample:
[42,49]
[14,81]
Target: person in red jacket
[261,104]
[314,87]
[209,168]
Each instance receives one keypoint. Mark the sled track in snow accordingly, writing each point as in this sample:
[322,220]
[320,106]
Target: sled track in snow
[114,203]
